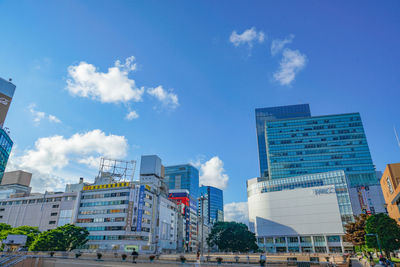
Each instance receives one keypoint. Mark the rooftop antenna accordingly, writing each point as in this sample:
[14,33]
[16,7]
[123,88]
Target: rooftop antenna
[397,136]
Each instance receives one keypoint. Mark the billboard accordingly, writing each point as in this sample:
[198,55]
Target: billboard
[7,90]
[140,209]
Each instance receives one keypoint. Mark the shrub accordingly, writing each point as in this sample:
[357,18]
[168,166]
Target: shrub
[151,257]
[219,260]
[51,253]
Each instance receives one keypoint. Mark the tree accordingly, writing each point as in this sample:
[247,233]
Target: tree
[4,226]
[355,231]
[388,232]
[232,236]
[63,238]
[29,231]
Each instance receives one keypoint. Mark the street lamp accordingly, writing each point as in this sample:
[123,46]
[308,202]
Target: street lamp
[377,239]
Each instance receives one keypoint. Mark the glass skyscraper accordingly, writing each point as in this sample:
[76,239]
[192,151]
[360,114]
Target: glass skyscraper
[300,146]
[183,177]
[213,206]
[274,113]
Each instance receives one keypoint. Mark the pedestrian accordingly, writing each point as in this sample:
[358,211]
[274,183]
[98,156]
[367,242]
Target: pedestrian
[134,255]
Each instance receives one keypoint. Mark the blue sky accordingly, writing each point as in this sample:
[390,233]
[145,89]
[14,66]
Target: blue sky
[340,56]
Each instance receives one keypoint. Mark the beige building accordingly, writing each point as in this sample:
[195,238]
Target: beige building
[390,183]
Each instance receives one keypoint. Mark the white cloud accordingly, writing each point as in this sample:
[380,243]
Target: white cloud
[131,115]
[53,118]
[292,62]
[168,99]
[212,173]
[113,86]
[56,152]
[277,45]
[236,211]
[247,37]
[40,115]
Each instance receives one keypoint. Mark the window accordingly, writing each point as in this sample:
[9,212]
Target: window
[52,222]
[2,209]
[24,201]
[55,206]
[293,239]
[53,214]
[32,201]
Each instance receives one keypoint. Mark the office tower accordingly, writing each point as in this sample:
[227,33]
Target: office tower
[213,206]
[390,183]
[183,177]
[7,90]
[319,144]
[274,113]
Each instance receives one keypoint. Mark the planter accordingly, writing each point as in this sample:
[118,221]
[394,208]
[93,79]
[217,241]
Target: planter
[124,256]
[219,260]
[99,255]
[151,258]
[77,255]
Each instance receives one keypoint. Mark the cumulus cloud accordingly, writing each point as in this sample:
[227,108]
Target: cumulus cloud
[236,211]
[38,116]
[167,98]
[131,115]
[212,173]
[248,37]
[277,45]
[291,63]
[56,152]
[113,86]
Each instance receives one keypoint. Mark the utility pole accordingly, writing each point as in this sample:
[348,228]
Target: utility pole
[202,198]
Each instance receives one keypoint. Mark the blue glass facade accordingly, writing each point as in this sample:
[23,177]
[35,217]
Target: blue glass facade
[318,144]
[214,205]
[183,177]
[274,113]
[5,149]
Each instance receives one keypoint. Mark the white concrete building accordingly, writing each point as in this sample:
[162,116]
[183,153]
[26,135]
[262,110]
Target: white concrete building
[46,211]
[300,214]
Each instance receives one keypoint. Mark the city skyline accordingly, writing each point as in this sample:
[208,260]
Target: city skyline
[188,91]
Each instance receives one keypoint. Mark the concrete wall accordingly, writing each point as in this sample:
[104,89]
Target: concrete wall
[17,177]
[305,211]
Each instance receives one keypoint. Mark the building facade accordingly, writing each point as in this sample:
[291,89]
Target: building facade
[183,177]
[7,90]
[274,113]
[213,206]
[300,214]
[188,237]
[45,211]
[390,183]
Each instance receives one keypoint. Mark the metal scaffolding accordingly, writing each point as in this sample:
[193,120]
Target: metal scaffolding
[117,170]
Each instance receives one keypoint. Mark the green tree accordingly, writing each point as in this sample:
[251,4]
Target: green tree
[29,231]
[355,231]
[63,238]
[232,236]
[4,226]
[387,230]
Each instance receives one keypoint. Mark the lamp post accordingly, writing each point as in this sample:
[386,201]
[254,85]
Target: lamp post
[377,239]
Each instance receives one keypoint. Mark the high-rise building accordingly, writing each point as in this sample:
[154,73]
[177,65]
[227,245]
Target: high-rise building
[213,205]
[274,113]
[390,183]
[183,177]
[7,90]
[302,146]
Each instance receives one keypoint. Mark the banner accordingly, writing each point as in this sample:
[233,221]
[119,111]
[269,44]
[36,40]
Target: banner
[140,209]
